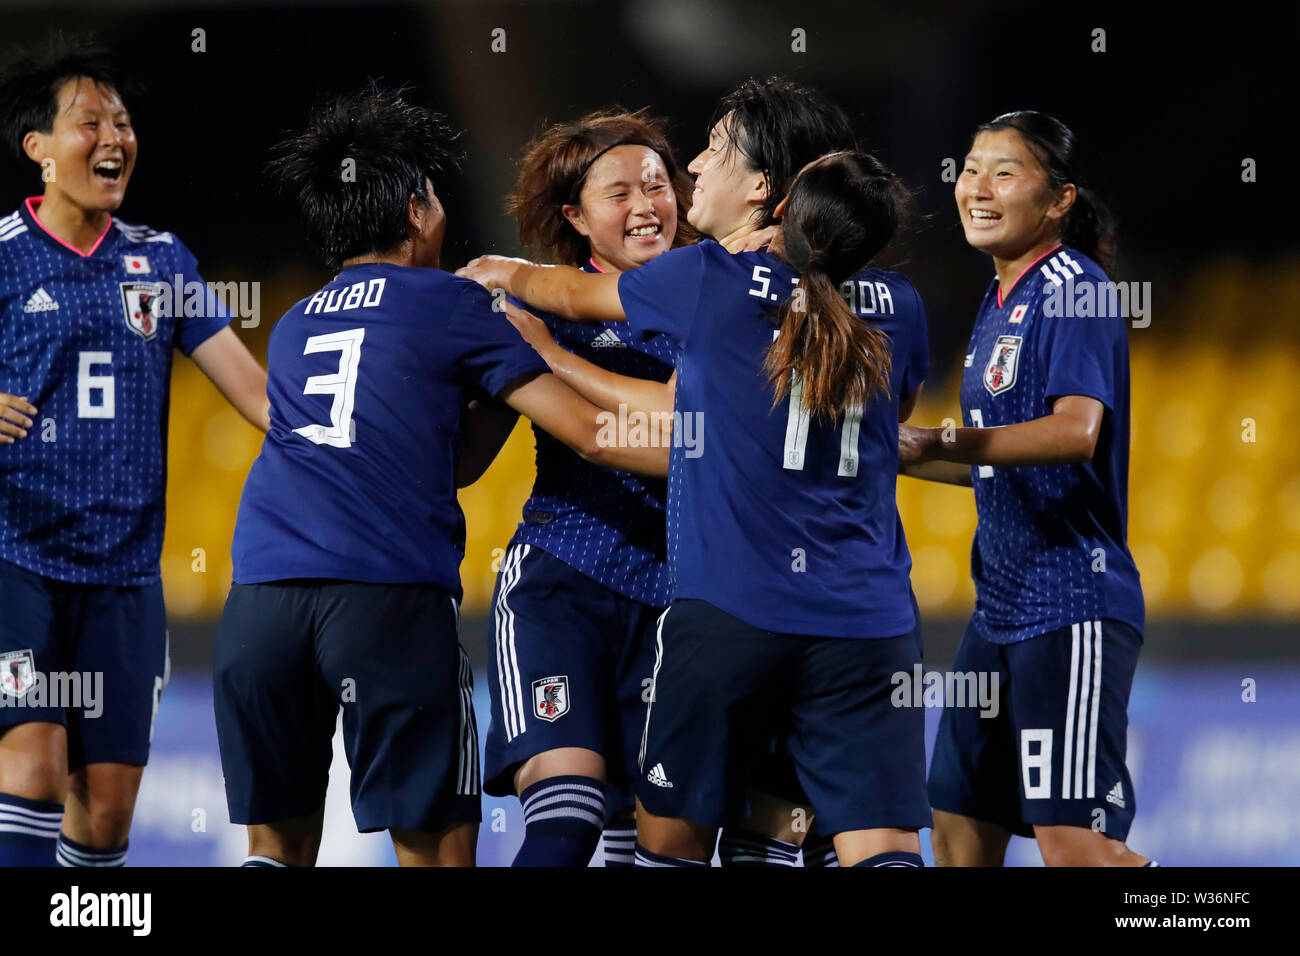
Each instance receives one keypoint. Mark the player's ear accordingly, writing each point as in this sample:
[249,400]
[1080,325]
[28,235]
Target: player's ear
[34,146]
[761,189]
[576,219]
[779,211]
[1064,200]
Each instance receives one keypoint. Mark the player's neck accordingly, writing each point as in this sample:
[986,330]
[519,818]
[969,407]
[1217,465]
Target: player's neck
[79,228]
[1009,270]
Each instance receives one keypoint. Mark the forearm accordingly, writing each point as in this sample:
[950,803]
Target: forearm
[947,472]
[485,427]
[1043,441]
[568,292]
[606,389]
[229,365]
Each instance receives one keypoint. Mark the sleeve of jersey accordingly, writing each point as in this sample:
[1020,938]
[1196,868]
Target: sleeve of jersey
[662,296]
[489,351]
[1077,352]
[918,356]
[200,313]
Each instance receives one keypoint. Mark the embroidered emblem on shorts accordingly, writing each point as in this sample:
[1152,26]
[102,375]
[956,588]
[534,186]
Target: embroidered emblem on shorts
[551,698]
[17,672]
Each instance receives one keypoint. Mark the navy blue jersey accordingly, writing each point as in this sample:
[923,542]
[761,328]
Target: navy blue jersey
[784,521]
[367,381]
[1051,545]
[89,340]
[606,523]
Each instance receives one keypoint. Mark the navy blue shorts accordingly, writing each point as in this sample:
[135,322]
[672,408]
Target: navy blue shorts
[1053,754]
[288,653]
[90,657]
[569,664]
[724,689]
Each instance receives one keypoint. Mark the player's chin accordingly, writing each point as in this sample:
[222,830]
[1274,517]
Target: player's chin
[641,252]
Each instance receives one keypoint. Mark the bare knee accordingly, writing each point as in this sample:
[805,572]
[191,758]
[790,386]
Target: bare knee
[34,762]
[1081,846]
[454,846]
[293,842]
[964,841]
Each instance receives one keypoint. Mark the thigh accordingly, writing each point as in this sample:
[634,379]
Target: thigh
[973,767]
[632,683]
[552,645]
[1069,707]
[721,689]
[31,648]
[121,664]
[275,716]
[859,756]
[391,653]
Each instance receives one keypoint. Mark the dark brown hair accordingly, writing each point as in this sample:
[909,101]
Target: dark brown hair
[555,166]
[843,209]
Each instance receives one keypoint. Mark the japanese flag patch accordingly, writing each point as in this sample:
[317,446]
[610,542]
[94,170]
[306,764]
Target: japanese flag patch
[136,265]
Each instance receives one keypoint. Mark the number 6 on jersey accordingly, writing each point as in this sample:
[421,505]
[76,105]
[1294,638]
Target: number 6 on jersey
[341,384]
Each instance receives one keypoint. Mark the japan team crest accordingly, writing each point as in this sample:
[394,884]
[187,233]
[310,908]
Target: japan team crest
[1000,372]
[551,698]
[17,672]
[138,302]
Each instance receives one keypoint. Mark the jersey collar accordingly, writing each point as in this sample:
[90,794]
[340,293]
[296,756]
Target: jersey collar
[29,209]
[1052,251]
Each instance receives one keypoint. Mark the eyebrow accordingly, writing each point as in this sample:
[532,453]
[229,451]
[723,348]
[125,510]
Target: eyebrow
[970,157]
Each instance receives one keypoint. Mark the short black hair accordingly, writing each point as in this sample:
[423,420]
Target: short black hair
[780,126]
[394,146]
[30,84]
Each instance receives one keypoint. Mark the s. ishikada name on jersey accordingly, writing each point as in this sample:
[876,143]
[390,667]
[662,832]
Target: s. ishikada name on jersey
[89,339]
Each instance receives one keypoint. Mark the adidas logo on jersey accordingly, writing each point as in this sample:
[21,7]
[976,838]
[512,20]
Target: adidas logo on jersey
[41,301]
[608,340]
[1116,795]
[658,777]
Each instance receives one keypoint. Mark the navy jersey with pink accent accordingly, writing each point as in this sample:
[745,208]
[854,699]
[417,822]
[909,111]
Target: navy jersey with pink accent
[606,523]
[89,340]
[1051,547]
[782,519]
[368,379]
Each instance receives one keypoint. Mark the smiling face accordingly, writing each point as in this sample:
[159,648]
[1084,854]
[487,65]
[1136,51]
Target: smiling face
[727,192]
[1003,198]
[627,210]
[89,152]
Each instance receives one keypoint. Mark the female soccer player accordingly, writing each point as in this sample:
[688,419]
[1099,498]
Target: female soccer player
[1059,611]
[88,341]
[586,573]
[779,128]
[789,616]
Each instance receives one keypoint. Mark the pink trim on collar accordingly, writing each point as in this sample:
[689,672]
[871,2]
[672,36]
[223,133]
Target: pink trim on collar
[34,201]
[596,267]
[1026,269]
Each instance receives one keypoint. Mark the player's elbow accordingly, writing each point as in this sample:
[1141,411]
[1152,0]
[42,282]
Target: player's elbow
[1082,444]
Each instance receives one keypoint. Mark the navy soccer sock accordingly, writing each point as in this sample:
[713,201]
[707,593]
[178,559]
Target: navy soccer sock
[619,841]
[29,831]
[739,847]
[261,861]
[72,853]
[645,858]
[563,817]
[896,858]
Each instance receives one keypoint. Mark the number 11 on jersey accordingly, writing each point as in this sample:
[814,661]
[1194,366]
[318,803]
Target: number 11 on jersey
[796,431]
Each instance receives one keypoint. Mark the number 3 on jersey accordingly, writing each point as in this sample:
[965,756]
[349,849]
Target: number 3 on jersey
[341,384]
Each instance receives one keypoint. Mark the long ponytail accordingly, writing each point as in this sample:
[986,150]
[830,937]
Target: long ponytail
[842,210]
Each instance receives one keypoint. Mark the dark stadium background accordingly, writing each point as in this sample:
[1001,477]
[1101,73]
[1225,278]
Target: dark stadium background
[1169,112]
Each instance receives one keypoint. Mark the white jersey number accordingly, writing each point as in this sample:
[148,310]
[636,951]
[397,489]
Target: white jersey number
[341,384]
[796,431]
[977,419]
[86,383]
